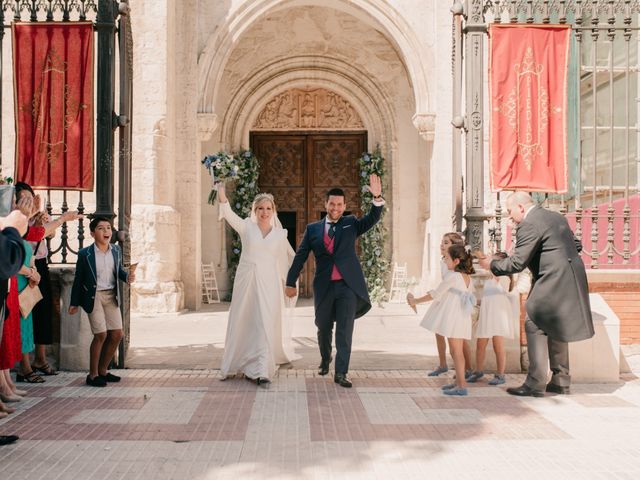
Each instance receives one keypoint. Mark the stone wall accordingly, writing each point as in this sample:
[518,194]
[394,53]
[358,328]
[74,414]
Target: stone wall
[155,219]
[334,46]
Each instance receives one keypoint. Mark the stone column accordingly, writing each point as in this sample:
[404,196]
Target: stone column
[439,216]
[155,222]
[187,158]
[75,332]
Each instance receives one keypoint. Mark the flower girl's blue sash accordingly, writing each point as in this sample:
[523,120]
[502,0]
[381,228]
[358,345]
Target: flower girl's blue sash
[467,299]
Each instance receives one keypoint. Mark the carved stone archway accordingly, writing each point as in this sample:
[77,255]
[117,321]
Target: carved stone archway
[369,100]
[380,14]
[305,108]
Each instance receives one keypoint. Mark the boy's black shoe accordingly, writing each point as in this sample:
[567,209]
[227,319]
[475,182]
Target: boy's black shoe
[98,381]
[7,439]
[110,377]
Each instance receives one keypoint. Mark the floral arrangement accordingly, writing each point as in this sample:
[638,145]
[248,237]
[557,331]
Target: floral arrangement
[375,263]
[242,169]
[222,168]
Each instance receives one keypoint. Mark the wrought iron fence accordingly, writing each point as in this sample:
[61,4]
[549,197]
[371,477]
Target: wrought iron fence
[603,202]
[63,249]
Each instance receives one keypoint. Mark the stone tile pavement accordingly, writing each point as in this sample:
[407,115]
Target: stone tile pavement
[175,423]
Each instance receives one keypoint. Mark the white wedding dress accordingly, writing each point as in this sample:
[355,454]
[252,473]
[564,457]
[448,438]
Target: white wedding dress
[259,330]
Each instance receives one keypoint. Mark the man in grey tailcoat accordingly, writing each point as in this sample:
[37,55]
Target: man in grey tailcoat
[558,309]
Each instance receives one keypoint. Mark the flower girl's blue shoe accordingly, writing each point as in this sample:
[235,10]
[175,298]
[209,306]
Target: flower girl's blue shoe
[438,371]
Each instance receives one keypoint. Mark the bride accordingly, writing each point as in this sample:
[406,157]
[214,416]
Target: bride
[258,336]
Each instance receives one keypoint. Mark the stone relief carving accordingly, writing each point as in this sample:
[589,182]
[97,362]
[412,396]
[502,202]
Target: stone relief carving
[313,109]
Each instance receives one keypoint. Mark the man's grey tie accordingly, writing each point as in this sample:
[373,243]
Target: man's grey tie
[332,230]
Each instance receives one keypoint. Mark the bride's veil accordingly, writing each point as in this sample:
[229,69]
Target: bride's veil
[285,257]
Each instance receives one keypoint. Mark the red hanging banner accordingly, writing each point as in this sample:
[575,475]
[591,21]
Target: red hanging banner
[528,68]
[53,87]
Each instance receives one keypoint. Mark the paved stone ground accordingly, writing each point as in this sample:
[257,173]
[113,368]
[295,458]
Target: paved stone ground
[395,422]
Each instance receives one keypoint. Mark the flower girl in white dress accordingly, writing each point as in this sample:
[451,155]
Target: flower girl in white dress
[450,313]
[498,309]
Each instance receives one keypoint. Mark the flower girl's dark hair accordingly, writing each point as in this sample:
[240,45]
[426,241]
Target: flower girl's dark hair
[466,262]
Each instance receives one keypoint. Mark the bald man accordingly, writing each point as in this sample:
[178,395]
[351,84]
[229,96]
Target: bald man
[558,309]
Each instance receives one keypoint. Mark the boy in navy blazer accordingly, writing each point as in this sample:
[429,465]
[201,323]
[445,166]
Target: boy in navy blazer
[95,289]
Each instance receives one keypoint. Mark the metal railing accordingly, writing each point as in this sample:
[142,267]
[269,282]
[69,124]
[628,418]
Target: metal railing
[603,204]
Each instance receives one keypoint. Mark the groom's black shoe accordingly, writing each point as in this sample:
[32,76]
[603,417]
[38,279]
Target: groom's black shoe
[342,380]
[524,391]
[553,388]
[323,369]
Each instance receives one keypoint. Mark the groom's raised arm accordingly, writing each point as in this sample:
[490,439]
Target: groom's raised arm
[298,261]
[370,219]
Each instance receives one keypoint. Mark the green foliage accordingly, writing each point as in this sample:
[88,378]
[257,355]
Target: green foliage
[375,263]
[242,169]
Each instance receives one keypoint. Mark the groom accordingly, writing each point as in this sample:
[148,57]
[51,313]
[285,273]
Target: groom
[340,291]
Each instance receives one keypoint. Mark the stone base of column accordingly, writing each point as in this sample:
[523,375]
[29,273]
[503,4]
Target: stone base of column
[75,332]
[157,297]
[155,244]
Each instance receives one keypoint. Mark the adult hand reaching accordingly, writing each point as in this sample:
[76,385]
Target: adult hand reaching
[70,216]
[375,185]
[290,291]
[25,205]
[483,260]
[16,220]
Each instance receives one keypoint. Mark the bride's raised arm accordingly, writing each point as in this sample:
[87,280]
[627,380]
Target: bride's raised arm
[227,213]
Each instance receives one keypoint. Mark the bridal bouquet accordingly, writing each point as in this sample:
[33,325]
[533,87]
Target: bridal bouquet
[222,167]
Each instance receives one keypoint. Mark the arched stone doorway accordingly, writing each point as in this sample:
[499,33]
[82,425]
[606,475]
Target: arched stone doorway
[361,73]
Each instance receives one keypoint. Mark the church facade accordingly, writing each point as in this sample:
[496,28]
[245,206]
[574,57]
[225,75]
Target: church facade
[308,86]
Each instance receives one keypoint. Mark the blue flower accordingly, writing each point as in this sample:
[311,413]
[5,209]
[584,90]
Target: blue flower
[366,157]
[247,154]
[236,251]
[238,205]
[363,174]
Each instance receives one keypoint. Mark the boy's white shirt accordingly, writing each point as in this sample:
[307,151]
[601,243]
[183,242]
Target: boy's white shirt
[105,268]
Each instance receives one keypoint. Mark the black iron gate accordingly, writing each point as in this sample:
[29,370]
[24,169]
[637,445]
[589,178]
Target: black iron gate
[604,197]
[111,20]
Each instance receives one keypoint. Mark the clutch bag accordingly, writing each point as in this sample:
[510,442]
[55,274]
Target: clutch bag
[28,298]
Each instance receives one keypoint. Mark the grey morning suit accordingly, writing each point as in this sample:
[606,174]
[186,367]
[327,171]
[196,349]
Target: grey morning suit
[558,309]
